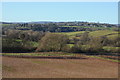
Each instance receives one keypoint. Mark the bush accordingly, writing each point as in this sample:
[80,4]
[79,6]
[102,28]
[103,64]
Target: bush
[104,40]
[66,48]
[85,38]
[94,45]
[76,49]
[52,42]
[117,42]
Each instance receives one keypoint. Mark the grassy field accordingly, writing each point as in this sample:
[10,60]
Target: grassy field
[71,33]
[113,36]
[98,33]
[102,33]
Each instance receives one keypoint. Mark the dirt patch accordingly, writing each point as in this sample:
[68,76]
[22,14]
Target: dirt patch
[59,68]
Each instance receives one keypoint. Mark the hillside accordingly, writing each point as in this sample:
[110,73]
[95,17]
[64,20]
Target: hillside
[28,36]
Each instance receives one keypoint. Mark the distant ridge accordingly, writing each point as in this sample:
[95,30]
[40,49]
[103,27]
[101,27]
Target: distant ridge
[46,22]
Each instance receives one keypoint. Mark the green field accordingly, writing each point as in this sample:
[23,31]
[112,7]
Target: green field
[103,33]
[114,36]
[109,33]
[71,33]
[93,33]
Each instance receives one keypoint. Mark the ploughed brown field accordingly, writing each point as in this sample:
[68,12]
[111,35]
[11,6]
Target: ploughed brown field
[58,68]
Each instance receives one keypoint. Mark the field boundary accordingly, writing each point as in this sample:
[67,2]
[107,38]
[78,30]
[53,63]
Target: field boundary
[47,57]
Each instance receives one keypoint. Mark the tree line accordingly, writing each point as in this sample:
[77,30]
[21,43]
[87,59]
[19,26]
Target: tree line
[21,41]
[58,26]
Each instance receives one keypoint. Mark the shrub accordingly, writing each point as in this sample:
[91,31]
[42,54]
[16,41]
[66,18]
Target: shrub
[94,45]
[52,42]
[117,42]
[66,48]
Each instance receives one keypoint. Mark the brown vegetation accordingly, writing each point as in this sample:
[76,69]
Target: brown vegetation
[58,68]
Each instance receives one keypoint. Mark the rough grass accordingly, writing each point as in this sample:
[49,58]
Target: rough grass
[108,48]
[39,54]
[55,54]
